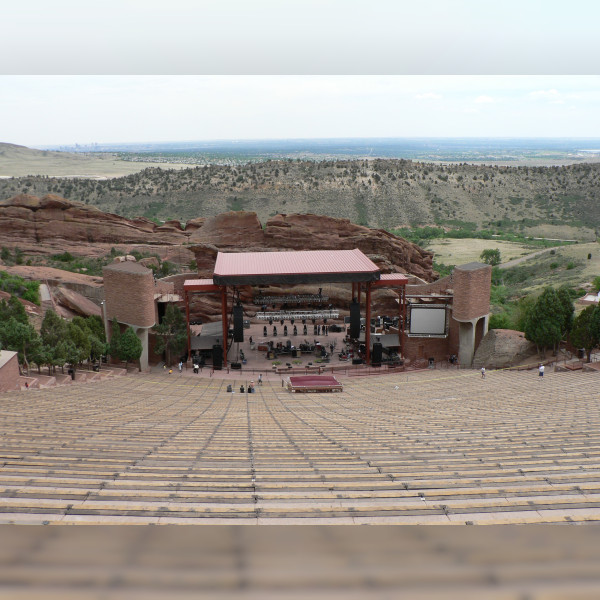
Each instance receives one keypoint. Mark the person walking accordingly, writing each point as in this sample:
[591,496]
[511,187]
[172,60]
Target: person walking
[260,379]
[482,372]
[180,366]
[541,370]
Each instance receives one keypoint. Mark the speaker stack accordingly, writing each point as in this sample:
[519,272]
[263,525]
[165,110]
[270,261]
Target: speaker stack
[238,323]
[377,354]
[217,357]
[354,320]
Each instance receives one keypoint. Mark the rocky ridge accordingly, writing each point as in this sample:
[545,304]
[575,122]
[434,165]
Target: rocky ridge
[48,224]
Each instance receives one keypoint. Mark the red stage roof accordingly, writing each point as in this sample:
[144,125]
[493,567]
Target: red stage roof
[305,266]
[200,285]
[389,280]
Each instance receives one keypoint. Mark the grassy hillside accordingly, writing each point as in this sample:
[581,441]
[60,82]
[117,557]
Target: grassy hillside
[547,201]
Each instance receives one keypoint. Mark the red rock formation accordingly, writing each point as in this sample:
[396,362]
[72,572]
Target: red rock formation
[29,220]
[230,230]
[51,224]
[242,231]
[76,302]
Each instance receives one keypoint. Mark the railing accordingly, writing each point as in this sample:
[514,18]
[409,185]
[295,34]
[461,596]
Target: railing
[291,299]
[278,315]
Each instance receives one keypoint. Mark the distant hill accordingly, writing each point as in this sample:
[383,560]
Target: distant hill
[555,201]
[20,161]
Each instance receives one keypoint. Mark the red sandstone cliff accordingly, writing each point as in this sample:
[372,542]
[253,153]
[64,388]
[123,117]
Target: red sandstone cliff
[29,220]
[242,231]
[50,224]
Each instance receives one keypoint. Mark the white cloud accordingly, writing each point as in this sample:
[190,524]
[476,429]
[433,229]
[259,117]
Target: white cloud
[428,96]
[545,94]
[484,100]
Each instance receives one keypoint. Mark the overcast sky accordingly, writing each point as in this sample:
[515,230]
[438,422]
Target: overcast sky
[130,71]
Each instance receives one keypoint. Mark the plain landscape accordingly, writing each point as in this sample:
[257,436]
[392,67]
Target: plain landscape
[535,201]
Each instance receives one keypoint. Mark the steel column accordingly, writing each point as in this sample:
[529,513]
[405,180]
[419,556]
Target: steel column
[224,317]
[368,323]
[187,318]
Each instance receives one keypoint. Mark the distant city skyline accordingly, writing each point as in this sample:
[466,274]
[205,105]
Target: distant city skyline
[65,110]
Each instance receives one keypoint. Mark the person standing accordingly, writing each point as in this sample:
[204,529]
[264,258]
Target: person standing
[180,366]
[260,379]
[482,372]
[541,370]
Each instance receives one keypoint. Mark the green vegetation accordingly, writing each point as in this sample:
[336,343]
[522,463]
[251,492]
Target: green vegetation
[130,346]
[422,235]
[58,342]
[491,256]
[171,333]
[442,269]
[22,288]
[586,330]
[10,258]
[550,319]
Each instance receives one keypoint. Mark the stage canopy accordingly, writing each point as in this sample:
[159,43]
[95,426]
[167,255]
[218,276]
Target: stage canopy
[305,266]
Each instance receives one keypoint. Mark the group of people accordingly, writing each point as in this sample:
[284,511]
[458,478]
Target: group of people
[541,370]
[243,390]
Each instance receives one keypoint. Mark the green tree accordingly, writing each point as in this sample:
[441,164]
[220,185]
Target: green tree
[19,337]
[171,333]
[131,346]
[567,309]
[53,332]
[500,321]
[96,326]
[584,333]
[115,338]
[80,339]
[545,321]
[491,256]
[521,311]
[13,308]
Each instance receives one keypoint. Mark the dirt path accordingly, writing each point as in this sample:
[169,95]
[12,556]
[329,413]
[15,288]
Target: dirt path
[517,261]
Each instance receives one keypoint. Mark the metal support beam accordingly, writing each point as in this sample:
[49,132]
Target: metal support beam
[187,319]
[368,323]
[224,317]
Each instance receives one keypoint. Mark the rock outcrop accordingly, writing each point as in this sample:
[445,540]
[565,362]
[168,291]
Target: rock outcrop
[29,220]
[52,224]
[242,231]
[76,303]
[502,348]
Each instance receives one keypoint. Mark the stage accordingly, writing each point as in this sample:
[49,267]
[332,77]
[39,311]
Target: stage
[313,383]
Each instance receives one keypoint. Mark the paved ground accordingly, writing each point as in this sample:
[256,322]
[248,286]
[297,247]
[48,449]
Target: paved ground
[257,361]
[437,447]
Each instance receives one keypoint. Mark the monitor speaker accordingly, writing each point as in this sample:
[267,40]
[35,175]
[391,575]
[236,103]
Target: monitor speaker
[377,354]
[217,356]
[238,323]
[354,320]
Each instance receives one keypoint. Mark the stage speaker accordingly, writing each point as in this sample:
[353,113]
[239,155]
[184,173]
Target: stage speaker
[238,323]
[236,365]
[217,356]
[354,320]
[377,354]
[357,361]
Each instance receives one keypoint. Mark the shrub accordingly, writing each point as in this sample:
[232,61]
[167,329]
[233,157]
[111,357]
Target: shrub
[500,321]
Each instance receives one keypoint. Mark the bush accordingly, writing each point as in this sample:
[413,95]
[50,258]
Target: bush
[500,321]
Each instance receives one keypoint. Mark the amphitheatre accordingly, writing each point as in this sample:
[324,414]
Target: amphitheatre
[420,441]
[428,447]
